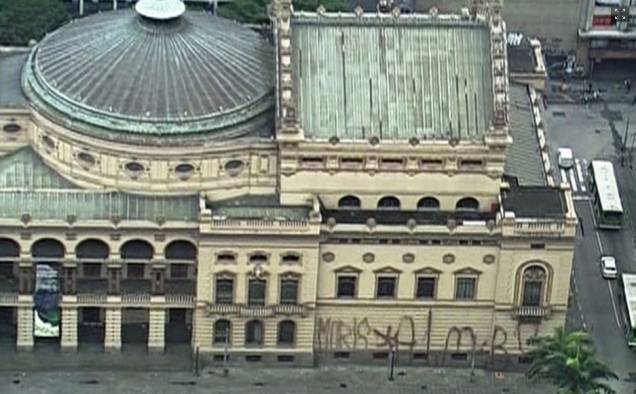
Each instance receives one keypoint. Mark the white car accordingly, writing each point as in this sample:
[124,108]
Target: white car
[565,158]
[608,267]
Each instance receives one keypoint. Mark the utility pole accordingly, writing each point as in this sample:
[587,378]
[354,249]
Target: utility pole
[624,144]
[392,366]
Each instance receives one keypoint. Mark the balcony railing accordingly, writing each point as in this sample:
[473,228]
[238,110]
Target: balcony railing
[131,299]
[186,300]
[256,311]
[91,299]
[8,298]
[532,311]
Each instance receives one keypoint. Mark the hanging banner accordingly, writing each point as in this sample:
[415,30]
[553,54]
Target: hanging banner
[46,316]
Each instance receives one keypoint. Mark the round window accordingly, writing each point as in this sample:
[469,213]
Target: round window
[234,167]
[134,166]
[184,168]
[11,128]
[48,142]
[86,158]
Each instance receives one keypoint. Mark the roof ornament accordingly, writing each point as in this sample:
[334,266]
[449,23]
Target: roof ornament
[358,11]
[433,11]
[160,10]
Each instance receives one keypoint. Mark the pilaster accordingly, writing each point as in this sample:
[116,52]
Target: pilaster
[69,329]
[25,328]
[157,329]
[112,335]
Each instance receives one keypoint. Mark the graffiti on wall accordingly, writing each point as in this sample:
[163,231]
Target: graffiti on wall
[404,334]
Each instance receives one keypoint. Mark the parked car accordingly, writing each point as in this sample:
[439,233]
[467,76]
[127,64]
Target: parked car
[608,267]
[565,158]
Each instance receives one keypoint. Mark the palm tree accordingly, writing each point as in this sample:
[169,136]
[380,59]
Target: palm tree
[569,362]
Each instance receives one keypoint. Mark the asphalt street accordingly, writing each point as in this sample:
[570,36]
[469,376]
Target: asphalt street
[596,132]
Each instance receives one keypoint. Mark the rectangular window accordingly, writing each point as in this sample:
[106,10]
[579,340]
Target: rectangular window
[256,292]
[537,246]
[392,163]
[91,270]
[425,287]
[289,291]
[471,163]
[315,162]
[532,293]
[346,286]
[351,162]
[386,287]
[427,163]
[224,291]
[178,270]
[465,288]
[135,270]
[6,270]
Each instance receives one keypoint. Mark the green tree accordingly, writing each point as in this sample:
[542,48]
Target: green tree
[23,20]
[255,11]
[569,362]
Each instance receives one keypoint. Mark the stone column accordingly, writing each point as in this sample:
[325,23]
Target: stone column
[69,328]
[158,280]
[114,279]
[25,328]
[112,334]
[81,7]
[114,4]
[26,280]
[157,330]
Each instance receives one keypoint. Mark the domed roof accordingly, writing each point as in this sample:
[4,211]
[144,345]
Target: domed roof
[121,71]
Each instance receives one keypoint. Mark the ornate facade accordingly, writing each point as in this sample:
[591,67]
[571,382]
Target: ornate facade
[367,183]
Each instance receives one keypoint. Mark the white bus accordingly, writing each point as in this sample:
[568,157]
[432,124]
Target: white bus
[628,281]
[606,200]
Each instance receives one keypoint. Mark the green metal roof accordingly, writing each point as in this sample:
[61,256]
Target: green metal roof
[523,157]
[25,169]
[394,78]
[28,186]
[257,207]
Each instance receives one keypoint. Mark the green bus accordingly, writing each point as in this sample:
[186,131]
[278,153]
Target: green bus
[606,199]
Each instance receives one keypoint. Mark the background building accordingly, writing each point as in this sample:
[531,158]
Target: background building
[369,183]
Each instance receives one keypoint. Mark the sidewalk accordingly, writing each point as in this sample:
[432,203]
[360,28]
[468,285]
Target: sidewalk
[351,380]
[610,91]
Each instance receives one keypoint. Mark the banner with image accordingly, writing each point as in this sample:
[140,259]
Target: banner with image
[46,316]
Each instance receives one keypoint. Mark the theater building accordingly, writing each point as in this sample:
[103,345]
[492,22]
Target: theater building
[358,185]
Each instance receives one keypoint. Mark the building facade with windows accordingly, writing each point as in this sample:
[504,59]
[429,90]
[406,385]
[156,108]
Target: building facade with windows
[362,185]
[607,32]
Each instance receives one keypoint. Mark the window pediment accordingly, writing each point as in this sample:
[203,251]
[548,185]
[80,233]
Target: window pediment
[348,269]
[467,271]
[387,270]
[428,271]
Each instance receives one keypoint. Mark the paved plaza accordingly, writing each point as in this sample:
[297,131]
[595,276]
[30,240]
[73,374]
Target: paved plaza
[279,381]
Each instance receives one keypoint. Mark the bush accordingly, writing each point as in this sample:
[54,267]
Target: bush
[24,20]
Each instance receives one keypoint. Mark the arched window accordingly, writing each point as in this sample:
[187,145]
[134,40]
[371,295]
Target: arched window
[48,248]
[92,249]
[349,202]
[286,332]
[137,249]
[222,330]
[467,204]
[428,204]
[181,250]
[534,279]
[389,202]
[254,333]
[9,248]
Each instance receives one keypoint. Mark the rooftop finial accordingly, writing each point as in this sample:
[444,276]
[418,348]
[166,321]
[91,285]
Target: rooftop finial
[160,9]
